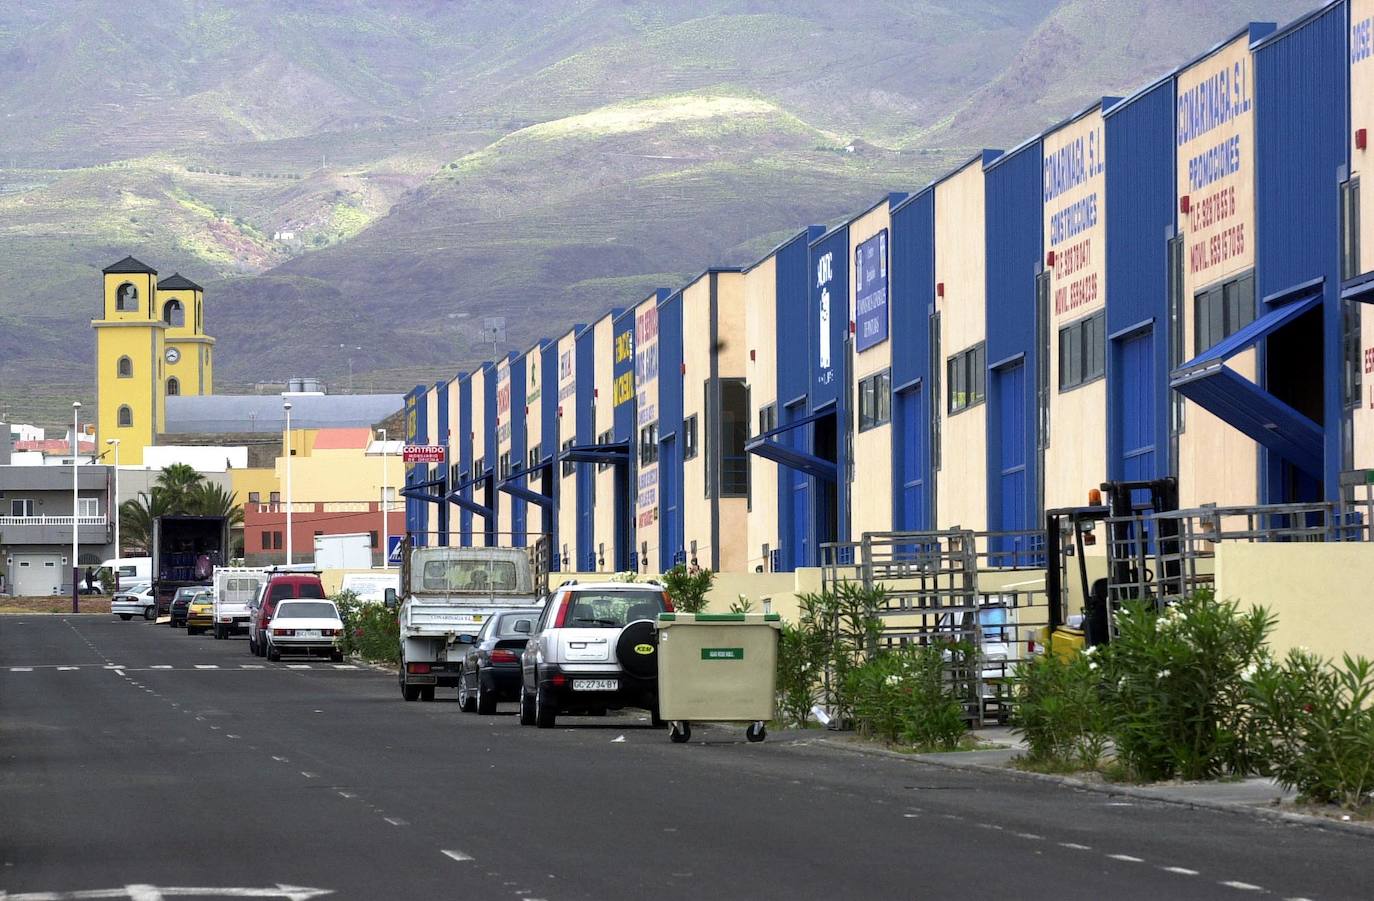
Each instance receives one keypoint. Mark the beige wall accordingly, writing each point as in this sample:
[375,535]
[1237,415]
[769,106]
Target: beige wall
[1362,116]
[646,406]
[603,519]
[567,429]
[1217,464]
[504,413]
[1319,592]
[1076,458]
[477,388]
[871,492]
[732,362]
[760,338]
[960,265]
[451,441]
[696,359]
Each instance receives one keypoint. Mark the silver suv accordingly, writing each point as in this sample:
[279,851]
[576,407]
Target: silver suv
[595,647]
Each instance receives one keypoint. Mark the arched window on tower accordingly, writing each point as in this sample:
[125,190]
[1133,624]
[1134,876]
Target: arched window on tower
[173,386]
[126,298]
[126,417]
[174,314]
[125,368]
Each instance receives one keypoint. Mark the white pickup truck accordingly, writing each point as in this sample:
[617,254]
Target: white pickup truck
[234,589]
[450,592]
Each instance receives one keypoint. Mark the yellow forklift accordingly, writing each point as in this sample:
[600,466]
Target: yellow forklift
[1069,530]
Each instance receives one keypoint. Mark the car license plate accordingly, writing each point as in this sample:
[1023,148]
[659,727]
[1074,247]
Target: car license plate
[595,684]
[308,633]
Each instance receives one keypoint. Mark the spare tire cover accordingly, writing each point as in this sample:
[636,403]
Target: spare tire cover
[637,649]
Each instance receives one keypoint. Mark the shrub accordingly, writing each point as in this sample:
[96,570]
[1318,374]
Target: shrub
[1317,722]
[688,587]
[835,632]
[910,694]
[1181,702]
[800,658]
[1059,710]
[370,630]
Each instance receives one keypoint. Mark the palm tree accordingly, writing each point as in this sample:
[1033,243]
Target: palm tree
[136,517]
[210,499]
[178,480]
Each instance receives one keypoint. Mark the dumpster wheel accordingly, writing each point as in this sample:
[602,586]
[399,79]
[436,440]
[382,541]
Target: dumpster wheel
[756,731]
[680,731]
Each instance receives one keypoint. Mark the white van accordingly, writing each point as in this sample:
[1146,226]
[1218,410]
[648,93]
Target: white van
[130,569]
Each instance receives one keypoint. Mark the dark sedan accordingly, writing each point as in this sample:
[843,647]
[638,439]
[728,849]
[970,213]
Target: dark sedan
[490,670]
[181,604]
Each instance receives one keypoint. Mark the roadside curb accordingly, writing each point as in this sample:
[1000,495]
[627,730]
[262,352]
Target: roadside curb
[1128,791]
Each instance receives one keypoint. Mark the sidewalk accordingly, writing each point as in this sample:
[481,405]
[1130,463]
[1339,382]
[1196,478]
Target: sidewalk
[1254,797]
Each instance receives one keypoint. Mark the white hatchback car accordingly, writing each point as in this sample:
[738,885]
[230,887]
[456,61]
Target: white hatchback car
[136,599]
[305,627]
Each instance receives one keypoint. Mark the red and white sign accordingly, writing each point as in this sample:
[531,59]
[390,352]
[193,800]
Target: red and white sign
[424,453]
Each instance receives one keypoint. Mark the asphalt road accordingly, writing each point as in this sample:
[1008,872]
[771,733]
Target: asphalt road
[137,762]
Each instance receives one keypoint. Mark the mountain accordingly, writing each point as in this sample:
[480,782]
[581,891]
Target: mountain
[357,184]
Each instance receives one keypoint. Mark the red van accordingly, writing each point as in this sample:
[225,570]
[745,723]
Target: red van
[280,586]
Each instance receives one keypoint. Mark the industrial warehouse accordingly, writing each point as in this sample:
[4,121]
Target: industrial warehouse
[1169,284]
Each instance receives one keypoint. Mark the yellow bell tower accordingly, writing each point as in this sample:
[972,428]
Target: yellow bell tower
[150,342]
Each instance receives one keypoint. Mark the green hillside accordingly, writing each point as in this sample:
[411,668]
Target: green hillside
[383,174]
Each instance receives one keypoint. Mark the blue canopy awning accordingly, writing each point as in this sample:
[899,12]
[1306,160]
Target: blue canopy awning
[456,498]
[418,490]
[1360,288]
[769,448]
[1246,406]
[615,452]
[523,493]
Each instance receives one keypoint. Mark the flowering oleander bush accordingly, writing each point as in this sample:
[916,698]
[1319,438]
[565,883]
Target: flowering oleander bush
[370,630]
[1060,712]
[913,694]
[1179,688]
[1316,720]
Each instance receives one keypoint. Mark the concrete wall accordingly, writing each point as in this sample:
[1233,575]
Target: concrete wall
[1319,592]
[1217,464]
[760,337]
[960,265]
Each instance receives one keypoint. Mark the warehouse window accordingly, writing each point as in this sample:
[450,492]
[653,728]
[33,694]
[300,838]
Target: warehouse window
[967,377]
[935,420]
[648,444]
[1222,310]
[1177,344]
[1350,333]
[1042,361]
[126,417]
[569,467]
[479,466]
[125,368]
[534,456]
[605,437]
[1350,228]
[1082,351]
[689,437]
[768,419]
[734,434]
[503,469]
[875,400]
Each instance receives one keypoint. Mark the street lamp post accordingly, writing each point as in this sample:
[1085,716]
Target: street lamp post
[114,442]
[286,407]
[386,505]
[76,505]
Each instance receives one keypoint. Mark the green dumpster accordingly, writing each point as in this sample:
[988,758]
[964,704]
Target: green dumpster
[717,667]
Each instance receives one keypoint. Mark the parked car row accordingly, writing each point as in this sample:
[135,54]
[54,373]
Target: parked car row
[590,648]
[286,611]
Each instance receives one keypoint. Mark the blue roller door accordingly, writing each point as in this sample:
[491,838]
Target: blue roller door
[1137,415]
[1013,473]
[912,431]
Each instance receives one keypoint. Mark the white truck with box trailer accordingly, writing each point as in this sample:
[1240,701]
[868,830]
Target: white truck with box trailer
[448,592]
[349,551]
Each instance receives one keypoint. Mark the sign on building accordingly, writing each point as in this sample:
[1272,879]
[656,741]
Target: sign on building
[424,453]
[870,292]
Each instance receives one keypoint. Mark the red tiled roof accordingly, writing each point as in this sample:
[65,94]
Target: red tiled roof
[54,446]
[342,439]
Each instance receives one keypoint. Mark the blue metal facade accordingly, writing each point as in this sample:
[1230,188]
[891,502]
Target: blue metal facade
[485,492]
[791,306]
[519,448]
[464,461]
[626,429]
[1301,145]
[584,418]
[913,292]
[670,473]
[1014,230]
[441,511]
[827,359]
[546,481]
[414,419]
[1140,203]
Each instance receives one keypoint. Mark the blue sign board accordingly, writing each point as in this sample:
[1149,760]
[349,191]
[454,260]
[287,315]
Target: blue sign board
[870,292]
[393,549]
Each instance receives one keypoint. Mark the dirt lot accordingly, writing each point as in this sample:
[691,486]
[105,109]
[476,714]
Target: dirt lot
[90,603]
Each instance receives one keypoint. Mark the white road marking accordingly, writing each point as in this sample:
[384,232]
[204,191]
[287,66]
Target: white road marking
[1181,871]
[67,669]
[21,669]
[121,672]
[1028,835]
[251,666]
[279,759]
[456,855]
[309,775]
[298,666]
[344,666]
[396,821]
[348,795]
[1075,847]
[207,666]
[1243,886]
[227,735]
[157,893]
[161,666]
[1127,858]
